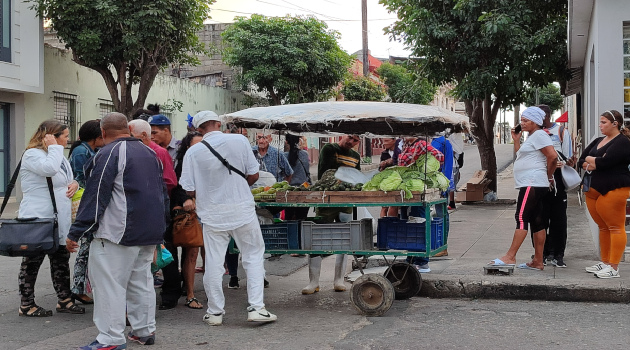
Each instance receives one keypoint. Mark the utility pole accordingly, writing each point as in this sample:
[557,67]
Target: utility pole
[366,63]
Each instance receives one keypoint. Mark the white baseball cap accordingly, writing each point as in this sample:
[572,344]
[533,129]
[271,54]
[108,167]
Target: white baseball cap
[204,116]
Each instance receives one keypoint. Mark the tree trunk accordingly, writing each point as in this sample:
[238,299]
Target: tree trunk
[482,115]
[274,97]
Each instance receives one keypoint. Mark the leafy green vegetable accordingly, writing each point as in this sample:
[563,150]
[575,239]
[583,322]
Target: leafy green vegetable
[441,181]
[427,163]
[391,182]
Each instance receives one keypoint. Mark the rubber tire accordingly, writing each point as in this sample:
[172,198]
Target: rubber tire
[372,294]
[410,285]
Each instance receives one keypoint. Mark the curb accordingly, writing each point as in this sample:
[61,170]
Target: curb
[461,287]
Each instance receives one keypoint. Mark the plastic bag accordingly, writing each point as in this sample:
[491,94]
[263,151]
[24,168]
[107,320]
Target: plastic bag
[161,258]
[76,200]
[351,175]
[264,179]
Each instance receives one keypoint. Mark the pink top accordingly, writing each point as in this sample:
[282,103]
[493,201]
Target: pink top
[170,179]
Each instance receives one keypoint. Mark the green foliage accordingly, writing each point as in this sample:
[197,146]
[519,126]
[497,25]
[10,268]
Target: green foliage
[128,42]
[405,86]
[292,59]
[172,105]
[547,95]
[488,47]
[491,49]
[360,88]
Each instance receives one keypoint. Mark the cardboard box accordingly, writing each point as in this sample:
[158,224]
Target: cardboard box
[475,188]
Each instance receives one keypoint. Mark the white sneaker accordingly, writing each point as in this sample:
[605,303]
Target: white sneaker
[261,315]
[596,268]
[609,272]
[213,320]
[423,268]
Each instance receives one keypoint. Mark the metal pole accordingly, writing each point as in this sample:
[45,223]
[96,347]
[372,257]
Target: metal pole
[366,63]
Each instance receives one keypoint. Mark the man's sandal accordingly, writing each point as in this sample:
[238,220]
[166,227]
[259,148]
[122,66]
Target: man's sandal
[34,311]
[193,300]
[69,307]
[83,299]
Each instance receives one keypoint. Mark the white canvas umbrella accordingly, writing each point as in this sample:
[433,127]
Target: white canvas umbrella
[370,118]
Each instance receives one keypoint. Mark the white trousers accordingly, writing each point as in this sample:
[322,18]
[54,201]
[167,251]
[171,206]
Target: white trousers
[249,240]
[122,282]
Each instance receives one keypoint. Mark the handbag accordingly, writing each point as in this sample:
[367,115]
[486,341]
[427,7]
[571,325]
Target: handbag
[161,258]
[570,177]
[28,236]
[187,231]
[586,180]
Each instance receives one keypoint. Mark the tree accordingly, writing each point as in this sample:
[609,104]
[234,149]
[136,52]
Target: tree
[128,42]
[360,88]
[491,49]
[292,59]
[547,95]
[405,86]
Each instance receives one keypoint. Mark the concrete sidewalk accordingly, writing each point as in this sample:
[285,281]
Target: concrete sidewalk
[481,232]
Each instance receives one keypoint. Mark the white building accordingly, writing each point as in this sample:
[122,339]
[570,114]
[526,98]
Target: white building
[39,82]
[599,56]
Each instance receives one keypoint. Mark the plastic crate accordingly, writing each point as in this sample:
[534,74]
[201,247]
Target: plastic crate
[285,235]
[353,235]
[394,233]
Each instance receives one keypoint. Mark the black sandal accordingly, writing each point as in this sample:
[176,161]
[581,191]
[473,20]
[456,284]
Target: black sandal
[69,307]
[38,312]
[194,300]
[82,298]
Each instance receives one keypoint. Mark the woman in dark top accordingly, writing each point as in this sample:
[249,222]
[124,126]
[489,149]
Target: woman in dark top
[299,162]
[81,152]
[607,159]
[180,198]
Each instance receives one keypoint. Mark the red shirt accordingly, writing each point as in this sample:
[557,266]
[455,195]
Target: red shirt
[170,179]
[412,151]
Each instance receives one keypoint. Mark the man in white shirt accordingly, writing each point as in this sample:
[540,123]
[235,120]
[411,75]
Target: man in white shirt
[226,209]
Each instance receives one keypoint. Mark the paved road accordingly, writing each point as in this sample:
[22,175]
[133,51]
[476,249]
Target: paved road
[472,161]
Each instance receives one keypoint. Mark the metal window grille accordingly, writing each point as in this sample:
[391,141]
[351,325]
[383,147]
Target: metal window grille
[105,107]
[67,111]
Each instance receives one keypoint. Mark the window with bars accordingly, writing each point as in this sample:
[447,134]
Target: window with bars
[105,107]
[66,111]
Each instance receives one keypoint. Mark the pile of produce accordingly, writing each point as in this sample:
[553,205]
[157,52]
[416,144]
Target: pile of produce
[269,193]
[329,182]
[424,172]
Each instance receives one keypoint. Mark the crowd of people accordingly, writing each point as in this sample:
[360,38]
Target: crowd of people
[123,165]
[542,201]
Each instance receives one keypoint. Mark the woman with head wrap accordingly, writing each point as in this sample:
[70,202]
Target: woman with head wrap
[533,174]
[607,159]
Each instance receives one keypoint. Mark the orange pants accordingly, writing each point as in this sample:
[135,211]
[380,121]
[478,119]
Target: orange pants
[609,212]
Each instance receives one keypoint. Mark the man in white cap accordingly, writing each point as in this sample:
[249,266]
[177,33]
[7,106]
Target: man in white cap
[218,172]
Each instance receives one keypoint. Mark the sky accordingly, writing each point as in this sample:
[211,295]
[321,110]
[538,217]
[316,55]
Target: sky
[343,16]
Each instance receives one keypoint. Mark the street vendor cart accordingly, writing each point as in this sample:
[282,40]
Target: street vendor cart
[372,294]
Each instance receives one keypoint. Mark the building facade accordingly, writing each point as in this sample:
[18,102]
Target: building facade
[599,57]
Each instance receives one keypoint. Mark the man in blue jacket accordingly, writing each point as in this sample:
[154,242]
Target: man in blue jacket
[121,179]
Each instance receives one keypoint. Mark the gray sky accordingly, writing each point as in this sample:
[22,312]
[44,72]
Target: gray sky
[343,16]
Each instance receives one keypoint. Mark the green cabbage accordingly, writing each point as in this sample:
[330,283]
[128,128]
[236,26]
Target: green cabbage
[427,163]
[415,185]
[440,181]
[391,182]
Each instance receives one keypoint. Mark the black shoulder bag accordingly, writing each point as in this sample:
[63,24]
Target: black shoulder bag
[28,236]
[223,160]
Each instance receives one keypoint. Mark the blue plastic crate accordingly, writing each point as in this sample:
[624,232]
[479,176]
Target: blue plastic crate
[394,233]
[285,235]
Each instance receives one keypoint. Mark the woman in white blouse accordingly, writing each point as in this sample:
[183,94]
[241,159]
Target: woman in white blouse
[44,158]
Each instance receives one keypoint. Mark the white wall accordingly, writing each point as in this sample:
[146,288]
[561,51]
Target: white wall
[63,75]
[603,63]
[25,72]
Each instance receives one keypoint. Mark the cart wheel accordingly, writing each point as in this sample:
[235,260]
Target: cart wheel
[372,294]
[405,279]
